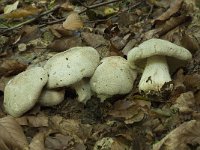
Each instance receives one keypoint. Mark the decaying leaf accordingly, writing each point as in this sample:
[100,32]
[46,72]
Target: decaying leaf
[64,44]
[11,135]
[11,7]
[60,141]
[80,132]
[185,102]
[174,7]
[108,143]
[180,138]
[67,6]
[11,67]
[22,12]
[130,111]
[37,142]
[94,40]
[73,22]
[33,121]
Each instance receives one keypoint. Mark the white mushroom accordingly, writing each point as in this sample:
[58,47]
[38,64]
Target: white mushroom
[154,55]
[71,66]
[113,76]
[22,92]
[51,97]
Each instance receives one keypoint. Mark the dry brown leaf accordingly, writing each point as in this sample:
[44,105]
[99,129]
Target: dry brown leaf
[174,8]
[64,44]
[11,135]
[37,142]
[11,67]
[184,135]
[80,132]
[22,12]
[67,6]
[33,121]
[185,102]
[73,22]
[58,31]
[29,33]
[192,81]
[60,141]
[130,111]
[94,40]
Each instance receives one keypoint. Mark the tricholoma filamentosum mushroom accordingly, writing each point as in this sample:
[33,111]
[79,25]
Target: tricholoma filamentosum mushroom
[70,67]
[157,56]
[113,76]
[22,91]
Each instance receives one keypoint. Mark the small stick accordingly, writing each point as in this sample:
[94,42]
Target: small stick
[31,20]
[88,7]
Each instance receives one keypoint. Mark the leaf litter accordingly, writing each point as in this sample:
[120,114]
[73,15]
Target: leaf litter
[33,31]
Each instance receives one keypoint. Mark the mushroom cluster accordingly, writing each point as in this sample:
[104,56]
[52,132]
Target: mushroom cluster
[45,85]
[80,68]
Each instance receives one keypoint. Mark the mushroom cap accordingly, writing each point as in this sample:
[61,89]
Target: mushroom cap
[51,97]
[22,92]
[138,55]
[112,76]
[70,66]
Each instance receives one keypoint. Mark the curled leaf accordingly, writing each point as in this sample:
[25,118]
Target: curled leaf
[11,135]
[73,22]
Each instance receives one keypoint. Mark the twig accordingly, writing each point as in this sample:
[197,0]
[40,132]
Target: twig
[88,7]
[98,5]
[31,20]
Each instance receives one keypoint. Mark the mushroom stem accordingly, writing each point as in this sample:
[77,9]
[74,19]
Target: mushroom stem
[155,74]
[83,90]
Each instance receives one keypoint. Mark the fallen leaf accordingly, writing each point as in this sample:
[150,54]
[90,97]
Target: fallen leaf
[29,33]
[80,132]
[11,135]
[130,111]
[22,12]
[11,67]
[33,121]
[181,137]
[73,22]
[174,8]
[94,40]
[67,6]
[185,102]
[64,44]
[60,141]
[11,7]
[192,81]
[37,143]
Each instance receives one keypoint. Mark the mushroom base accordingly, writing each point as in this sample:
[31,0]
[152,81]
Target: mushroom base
[155,75]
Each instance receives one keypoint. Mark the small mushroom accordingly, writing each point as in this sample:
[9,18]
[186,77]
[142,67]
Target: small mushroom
[51,97]
[158,58]
[71,66]
[22,92]
[113,76]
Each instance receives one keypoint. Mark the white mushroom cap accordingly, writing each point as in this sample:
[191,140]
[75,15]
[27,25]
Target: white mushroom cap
[157,57]
[177,55]
[83,90]
[70,66]
[51,97]
[22,92]
[113,76]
